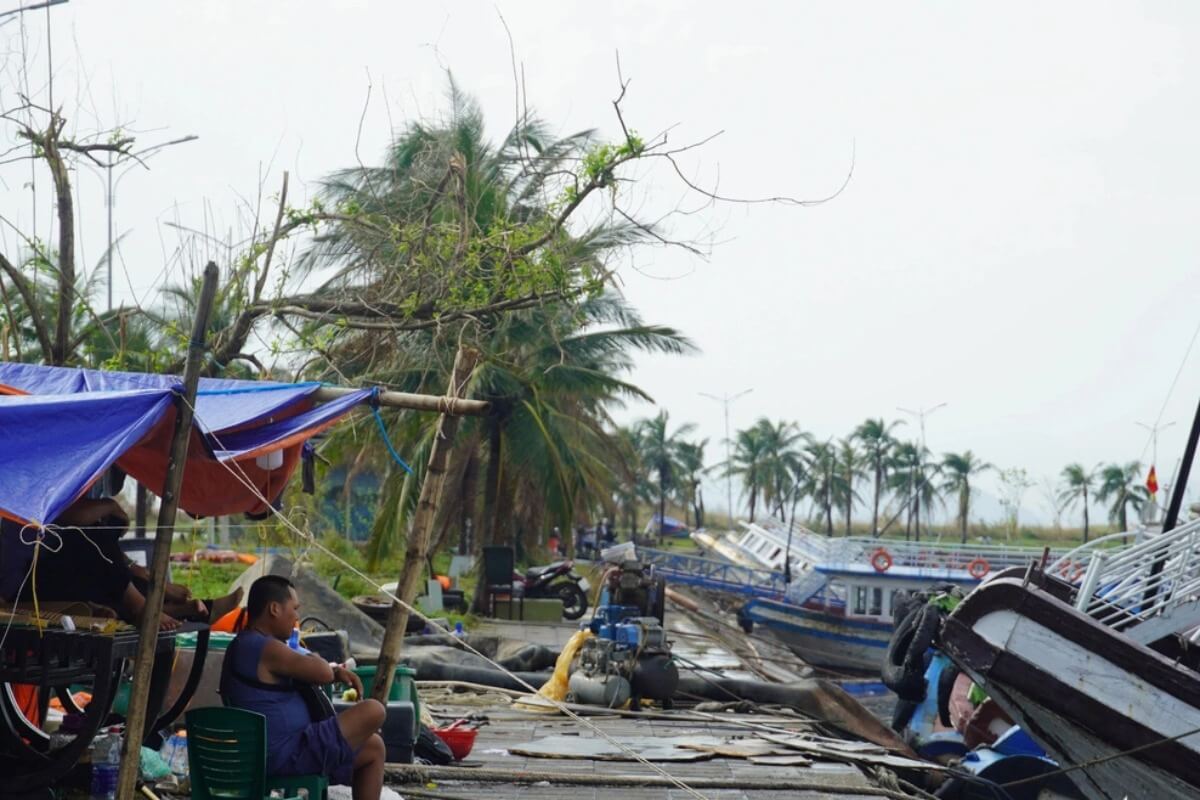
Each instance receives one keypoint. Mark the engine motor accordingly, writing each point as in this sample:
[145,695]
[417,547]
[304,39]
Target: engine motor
[629,657]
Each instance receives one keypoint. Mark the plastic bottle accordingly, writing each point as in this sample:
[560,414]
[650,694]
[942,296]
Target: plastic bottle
[459,633]
[175,753]
[294,642]
[106,764]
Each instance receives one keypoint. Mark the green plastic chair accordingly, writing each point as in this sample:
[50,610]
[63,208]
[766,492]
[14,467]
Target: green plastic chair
[227,759]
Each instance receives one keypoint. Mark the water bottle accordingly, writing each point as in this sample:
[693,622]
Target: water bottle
[106,764]
[459,633]
[176,754]
[294,642]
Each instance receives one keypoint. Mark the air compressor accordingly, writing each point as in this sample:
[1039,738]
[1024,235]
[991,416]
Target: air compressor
[629,657]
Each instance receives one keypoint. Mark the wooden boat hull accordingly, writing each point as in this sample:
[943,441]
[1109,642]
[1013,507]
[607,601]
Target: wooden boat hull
[823,639]
[1087,695]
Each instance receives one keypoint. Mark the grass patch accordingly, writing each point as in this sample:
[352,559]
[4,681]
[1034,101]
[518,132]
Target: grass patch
[206,579]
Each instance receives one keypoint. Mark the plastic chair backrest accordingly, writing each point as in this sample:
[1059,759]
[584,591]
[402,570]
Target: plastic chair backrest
[498,564]
[227,754]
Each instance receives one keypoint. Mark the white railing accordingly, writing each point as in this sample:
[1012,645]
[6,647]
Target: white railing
[837,551]
[1146,590]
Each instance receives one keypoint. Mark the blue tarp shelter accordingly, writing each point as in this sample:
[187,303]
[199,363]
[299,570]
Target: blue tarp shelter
[62,428]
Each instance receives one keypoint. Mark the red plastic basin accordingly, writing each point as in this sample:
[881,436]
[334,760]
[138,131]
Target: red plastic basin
[459,740]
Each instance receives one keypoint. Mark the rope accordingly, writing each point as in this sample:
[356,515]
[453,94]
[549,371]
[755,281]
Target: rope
[312,540]
[383,431]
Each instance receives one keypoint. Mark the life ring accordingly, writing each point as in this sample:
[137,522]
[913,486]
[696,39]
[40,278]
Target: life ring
[881,560]
[978,568]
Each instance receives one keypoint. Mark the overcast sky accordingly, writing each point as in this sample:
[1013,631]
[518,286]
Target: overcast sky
[1018,239]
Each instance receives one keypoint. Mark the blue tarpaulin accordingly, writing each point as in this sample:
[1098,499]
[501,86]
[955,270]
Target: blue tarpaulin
[62,428]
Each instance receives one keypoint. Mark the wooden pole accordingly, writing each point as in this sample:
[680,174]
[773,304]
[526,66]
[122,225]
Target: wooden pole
[422,527]
[135,719]
[415,402]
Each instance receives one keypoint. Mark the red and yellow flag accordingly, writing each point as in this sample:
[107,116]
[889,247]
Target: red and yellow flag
[1152,481]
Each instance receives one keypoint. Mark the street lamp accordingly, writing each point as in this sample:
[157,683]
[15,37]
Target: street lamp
[920,414]
[726,400]
[140,158]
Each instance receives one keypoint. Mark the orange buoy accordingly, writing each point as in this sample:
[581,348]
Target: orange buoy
[881,560]
[978,568]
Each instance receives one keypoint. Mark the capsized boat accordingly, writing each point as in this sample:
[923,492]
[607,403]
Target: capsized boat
[836,610]
[1095,657]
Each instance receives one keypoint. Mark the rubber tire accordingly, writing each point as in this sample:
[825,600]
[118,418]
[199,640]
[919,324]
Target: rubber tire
[575,602]
[658,607]
[944,688]
[902,714]
[904,664]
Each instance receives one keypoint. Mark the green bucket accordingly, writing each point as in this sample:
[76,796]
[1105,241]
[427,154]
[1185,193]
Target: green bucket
[403,688]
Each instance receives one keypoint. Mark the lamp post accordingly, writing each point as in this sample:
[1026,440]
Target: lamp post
[726,400]
[140,157]
[920,414]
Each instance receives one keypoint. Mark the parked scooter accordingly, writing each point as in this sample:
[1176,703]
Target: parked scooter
[557,580]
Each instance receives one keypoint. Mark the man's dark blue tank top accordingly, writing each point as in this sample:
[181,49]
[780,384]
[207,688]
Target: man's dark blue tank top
[286,712]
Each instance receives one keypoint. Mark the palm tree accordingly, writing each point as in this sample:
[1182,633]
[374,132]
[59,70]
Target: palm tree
[912,478]
[781,454]
[1079,484]
[749,457]
[660,449]
[878,443]
[1121,483]
[822,484]
[690,459]
[434,224]
[548,448]
[849,472]
[959,470]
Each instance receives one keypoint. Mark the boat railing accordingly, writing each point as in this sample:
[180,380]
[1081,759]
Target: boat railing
[707,573]
[1146,590]
[934,555]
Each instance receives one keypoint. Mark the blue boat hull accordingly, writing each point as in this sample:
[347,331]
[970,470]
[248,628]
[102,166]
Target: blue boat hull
[823,639]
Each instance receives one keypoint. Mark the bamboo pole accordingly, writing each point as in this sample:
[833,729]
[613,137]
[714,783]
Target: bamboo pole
[422,528]
[135,719]
[415,402]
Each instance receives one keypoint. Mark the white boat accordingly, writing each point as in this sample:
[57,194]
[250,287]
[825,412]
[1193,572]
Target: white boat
[836,611]
[1096,658]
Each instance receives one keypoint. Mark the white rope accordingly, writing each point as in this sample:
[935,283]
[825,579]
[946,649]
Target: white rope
[245,481]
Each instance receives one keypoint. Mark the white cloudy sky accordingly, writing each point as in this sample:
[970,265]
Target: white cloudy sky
[1018,239]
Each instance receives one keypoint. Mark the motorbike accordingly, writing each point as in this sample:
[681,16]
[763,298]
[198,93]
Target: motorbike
[556,580]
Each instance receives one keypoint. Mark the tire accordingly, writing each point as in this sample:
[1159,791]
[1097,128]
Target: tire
[904,665]
[574,601]
[658,607]
[944,688]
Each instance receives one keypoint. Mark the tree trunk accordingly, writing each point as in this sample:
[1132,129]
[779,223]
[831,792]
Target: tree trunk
[1085,515]
[964,500]
[753,498]
[699,501]
[916,517]
[432,489]
[878,491]
[662,504]
[491,486]
[468,523]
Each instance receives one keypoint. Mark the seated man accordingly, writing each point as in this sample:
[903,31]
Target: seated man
[261,673]
[88,565]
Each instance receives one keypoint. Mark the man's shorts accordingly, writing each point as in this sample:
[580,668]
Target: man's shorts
[321,749]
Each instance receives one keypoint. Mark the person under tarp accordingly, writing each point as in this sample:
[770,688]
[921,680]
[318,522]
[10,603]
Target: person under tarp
[261,673]
[80,560]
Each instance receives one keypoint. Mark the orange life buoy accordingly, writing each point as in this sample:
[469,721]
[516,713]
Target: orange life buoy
[978,568]
[881,560]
